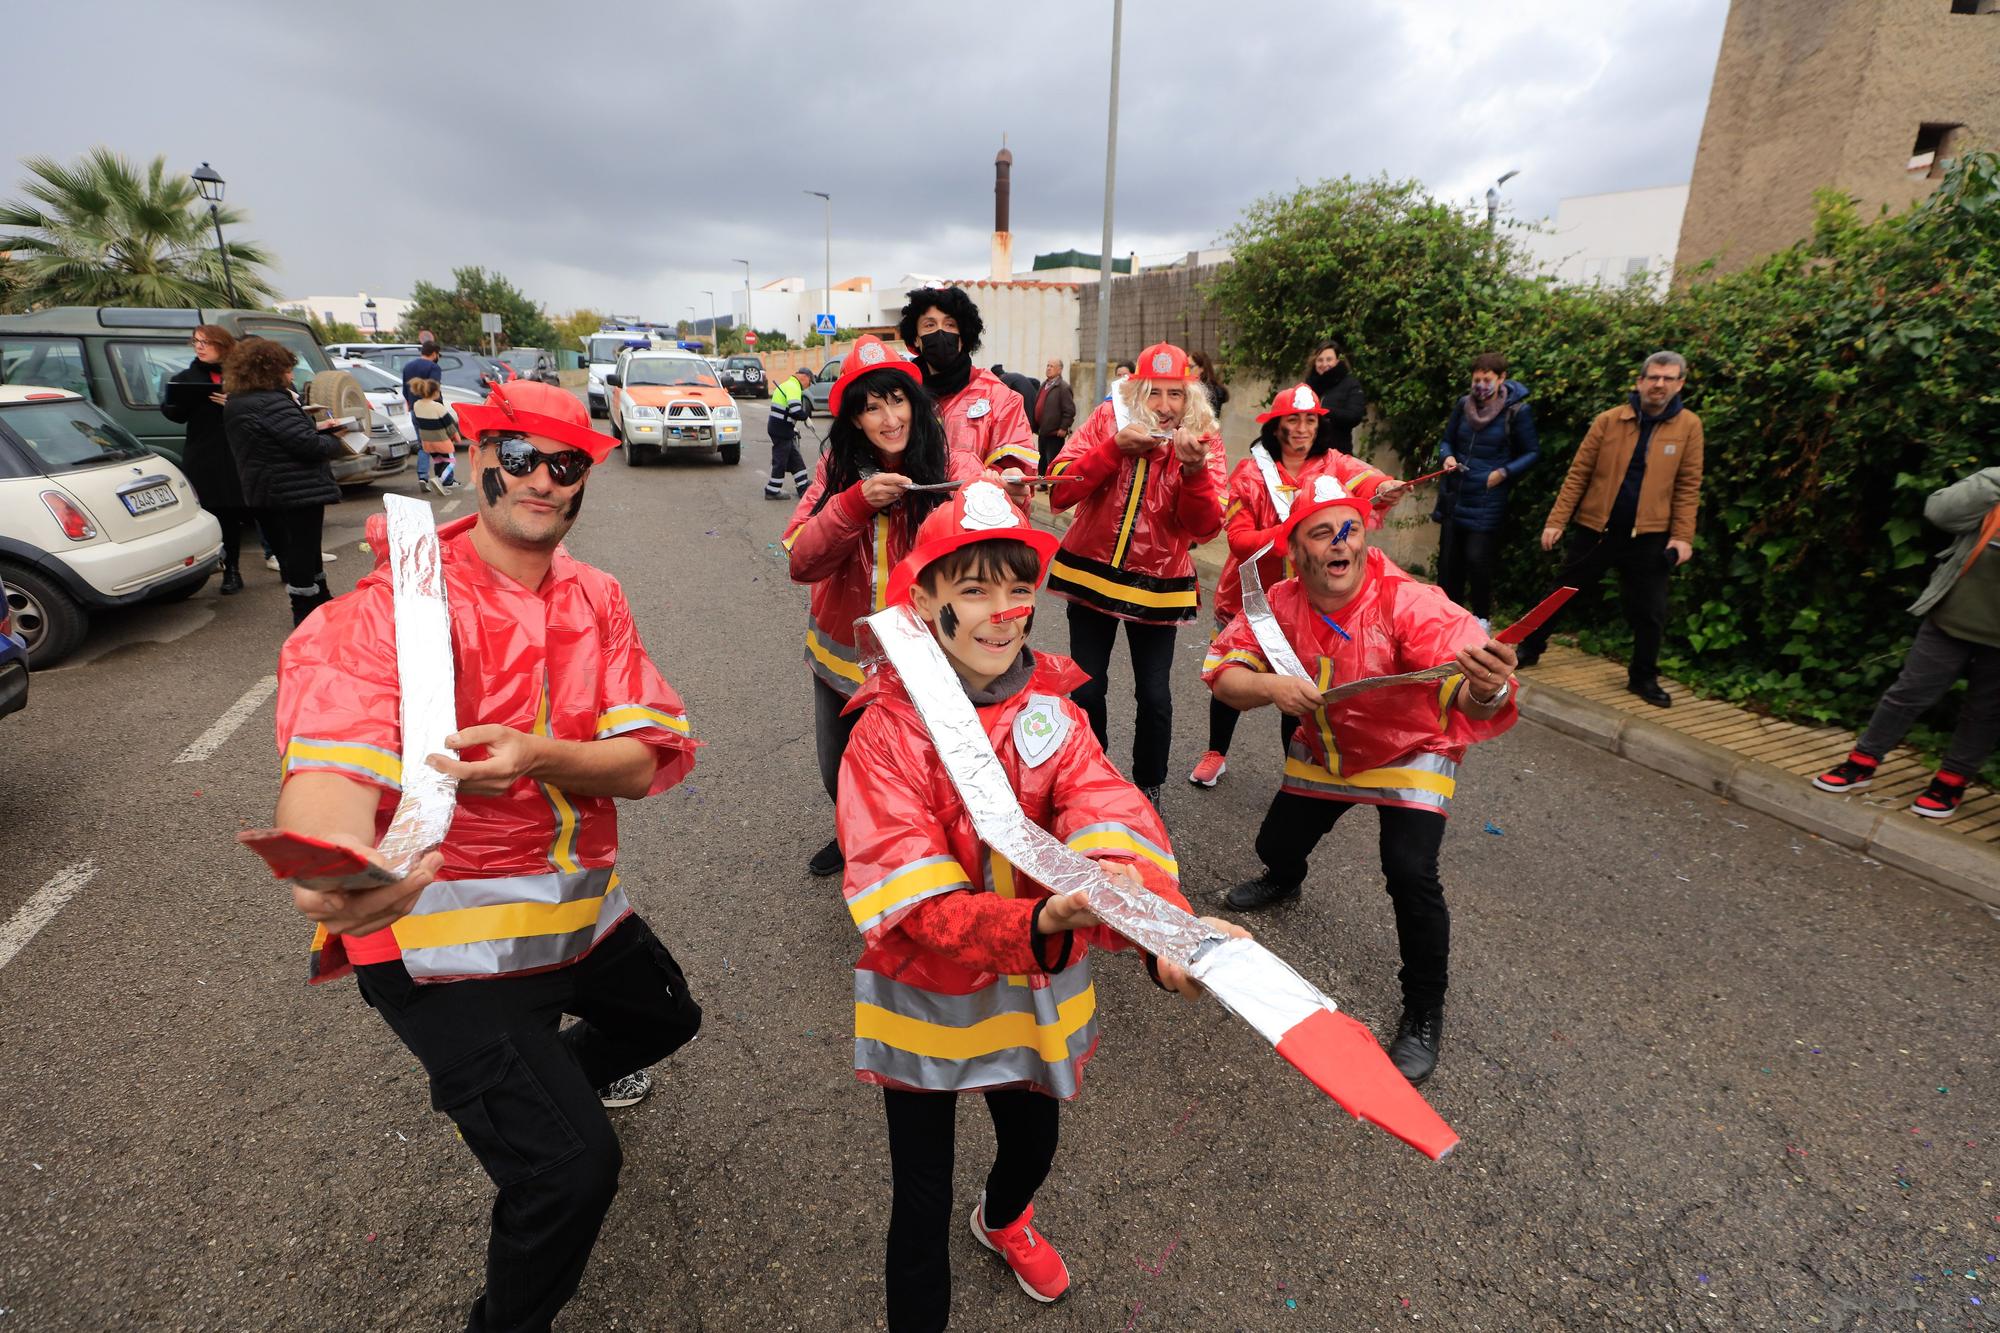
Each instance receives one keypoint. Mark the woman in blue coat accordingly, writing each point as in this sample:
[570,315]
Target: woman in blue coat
[1492,435]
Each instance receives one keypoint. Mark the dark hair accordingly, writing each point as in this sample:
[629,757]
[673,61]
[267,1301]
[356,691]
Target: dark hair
[1207,367]
[1322,441]
[850,456]
[991,561]
[947,300]
[426,349]
[1125,366]
[257,363]
[1323,345]
[1493,361]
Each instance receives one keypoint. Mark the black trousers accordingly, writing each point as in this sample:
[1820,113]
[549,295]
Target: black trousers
[830,733]
[1091,634]
[523,1096]
[1643,572]
[1048,446]
[923,1139]
[294,536]
[786,460]
[231,519]
[1222,727]
[1465,559]
[1409,841]
[1935,662]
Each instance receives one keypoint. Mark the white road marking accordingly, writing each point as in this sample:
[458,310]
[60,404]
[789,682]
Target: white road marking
[41,908]
[225,726]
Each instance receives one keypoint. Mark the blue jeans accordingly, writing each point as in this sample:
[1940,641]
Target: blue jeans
[423,466]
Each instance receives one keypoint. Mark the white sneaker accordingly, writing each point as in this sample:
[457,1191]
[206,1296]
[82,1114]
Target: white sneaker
[271,563]
[327,557]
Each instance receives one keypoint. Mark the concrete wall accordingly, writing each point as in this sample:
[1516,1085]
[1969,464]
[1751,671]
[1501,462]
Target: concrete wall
[1812,93]
[1604,238]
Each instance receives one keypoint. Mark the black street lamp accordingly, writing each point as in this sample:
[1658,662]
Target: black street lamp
[210,184]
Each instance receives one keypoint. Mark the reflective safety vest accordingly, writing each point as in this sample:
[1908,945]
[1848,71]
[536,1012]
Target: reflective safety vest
[788,403]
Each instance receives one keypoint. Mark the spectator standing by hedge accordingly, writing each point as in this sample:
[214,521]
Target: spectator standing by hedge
[1959,635]
[197,402]
[1328,376]
[282,460]
[1634,489]
[1491,436]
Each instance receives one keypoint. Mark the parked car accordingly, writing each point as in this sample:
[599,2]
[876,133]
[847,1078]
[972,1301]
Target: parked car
[743,376]
[371,351]
[120,357]
[820,392]
[385,396]
[13,659]
[90,519]
[530,363]
[601,351]
[671,400]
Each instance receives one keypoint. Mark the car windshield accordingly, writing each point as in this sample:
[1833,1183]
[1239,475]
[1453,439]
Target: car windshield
[521,358]
[829,372]
[668,373]
[744,363]
[373,378]
[70,434]
[607,349]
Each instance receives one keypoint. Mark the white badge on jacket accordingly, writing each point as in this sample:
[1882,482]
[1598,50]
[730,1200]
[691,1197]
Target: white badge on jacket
[979,409]
[1040,729]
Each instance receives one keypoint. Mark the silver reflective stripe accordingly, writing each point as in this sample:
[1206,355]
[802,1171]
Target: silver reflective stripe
[1013,1064]
[1279,500]
[488,958]
[1277,648]
[452,895]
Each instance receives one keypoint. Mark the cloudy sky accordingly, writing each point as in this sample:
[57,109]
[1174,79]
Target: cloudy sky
[621,161]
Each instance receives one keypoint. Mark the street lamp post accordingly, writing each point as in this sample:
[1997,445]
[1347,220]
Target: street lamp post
[1493,199]
[828,307]
[749,320]
[210,184]
[714,329]
[692,319]
[1110,183]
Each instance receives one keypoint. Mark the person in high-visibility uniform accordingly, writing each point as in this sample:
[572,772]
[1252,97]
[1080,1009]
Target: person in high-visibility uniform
[1351,614]
[974,978]
[519,917]
[1145,493]
[789,406]
[982,417]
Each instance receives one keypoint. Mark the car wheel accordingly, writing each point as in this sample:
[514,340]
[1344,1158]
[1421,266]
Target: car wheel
[616,434]
[630,455]
[731,453]
[43,614]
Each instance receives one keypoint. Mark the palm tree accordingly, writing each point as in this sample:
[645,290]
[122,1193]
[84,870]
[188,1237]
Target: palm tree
[102,232]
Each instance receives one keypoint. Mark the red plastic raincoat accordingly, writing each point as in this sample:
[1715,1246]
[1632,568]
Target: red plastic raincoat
[1250,518]
[986,422]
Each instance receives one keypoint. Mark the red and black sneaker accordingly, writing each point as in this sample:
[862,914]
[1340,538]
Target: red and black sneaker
[1853,773]
[1940,799]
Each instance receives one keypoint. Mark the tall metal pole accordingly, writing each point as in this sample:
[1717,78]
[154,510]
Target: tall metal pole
[749,320]
[714,329]
[828,307]
[1110,187]
[227,281]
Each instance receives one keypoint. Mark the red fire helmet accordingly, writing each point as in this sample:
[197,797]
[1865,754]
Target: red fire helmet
[979,512]
[533,408]
[1164,361]
[1299,398]
[870,353]
[1326,493]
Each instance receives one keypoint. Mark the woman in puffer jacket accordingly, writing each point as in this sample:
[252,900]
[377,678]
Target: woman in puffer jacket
[282,460]
[1491,436]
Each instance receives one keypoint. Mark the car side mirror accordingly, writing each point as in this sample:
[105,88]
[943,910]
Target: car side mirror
[614,381]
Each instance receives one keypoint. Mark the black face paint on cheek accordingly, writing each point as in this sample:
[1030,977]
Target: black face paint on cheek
[575,504]
[491,486]
[948,621]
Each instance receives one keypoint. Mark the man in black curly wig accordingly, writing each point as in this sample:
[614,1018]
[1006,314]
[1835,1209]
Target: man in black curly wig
[982,416]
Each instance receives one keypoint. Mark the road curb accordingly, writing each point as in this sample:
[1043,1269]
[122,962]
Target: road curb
[1895,838]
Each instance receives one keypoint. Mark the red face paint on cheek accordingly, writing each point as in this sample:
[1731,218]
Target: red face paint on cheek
[1018,613]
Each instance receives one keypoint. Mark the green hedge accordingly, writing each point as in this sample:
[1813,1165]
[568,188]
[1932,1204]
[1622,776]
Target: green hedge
[1838,383]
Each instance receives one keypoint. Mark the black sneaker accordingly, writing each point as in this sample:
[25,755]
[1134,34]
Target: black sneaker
[1940,799]
[1853,773]
[627,1091]
[1525,656]
[1152,794]
[1414,1050]
[828,860]
[1651,692]
[1253,894]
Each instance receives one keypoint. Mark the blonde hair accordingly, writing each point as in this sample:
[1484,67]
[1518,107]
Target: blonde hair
[423,388]
[1198,416]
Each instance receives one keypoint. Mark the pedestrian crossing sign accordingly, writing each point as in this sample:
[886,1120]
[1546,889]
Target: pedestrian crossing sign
[824,325]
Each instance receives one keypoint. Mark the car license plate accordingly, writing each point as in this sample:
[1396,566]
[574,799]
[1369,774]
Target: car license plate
[147,499]
[397,451]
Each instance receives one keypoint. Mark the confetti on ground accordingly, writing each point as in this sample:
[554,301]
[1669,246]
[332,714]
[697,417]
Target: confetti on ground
[1495,829]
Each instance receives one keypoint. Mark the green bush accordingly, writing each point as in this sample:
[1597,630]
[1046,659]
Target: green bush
[1839,383]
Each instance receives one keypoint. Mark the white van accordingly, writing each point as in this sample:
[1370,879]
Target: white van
[600,356]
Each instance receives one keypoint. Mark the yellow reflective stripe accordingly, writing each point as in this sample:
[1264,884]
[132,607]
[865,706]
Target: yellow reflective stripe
[1324,679]
[1419,779]
[1234,507]
[837,665]
[1001,872]
[1131,512]
[1120,591]
[1061,467]
[1119,840]
[501,921]
[1002,1032]
[1019,453]
[792,536]
[912,883]
[305,753]
[625,714]
[1242,656]
[562,851]
[881,560]
[1446,688]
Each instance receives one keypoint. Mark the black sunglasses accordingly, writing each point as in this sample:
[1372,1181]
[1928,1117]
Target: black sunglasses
[519,458]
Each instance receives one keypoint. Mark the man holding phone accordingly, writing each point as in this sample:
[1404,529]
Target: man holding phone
[518,918]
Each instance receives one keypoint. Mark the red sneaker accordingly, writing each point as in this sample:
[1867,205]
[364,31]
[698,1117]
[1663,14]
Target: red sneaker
[1853,773]
[1940,800]
[1037,1266]
[1210,769]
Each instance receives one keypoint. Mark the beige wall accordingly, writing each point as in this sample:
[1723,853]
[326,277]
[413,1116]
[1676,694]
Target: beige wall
[1812,93]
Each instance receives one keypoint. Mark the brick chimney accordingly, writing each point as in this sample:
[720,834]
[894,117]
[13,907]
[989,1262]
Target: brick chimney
[1003,239]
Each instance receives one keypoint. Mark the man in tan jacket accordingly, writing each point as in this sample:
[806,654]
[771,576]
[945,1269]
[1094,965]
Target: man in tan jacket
[1633,488]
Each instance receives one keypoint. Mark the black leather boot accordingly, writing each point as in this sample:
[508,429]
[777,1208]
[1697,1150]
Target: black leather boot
[1414,1051]
[232,579]
[1252,894]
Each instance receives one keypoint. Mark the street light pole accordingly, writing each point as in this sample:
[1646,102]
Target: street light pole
[210,185]
[1493,199]
[1110,186]
[714,329]
[749,320]
[828,308]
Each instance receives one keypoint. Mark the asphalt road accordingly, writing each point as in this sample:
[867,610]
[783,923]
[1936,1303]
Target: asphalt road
[1710,1073]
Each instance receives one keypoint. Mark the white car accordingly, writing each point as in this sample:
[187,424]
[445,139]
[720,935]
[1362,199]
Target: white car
[90,520]
[662,401]
[601,351]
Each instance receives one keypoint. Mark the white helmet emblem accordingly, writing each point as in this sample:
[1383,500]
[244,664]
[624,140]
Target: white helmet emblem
[1162,363]
[1326,488]
[986,507]
[872,354]
[1303,400]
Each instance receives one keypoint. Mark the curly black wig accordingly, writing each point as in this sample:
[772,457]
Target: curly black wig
[951,301]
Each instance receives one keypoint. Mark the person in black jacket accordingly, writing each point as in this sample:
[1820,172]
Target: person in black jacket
[1492,436]
[1218,392]
[194,398]
[282,460]
[1339,393]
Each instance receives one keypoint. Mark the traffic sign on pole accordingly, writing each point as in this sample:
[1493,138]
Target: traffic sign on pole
[824,325]
[750,338]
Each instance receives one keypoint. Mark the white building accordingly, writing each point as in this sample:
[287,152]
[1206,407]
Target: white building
[1610,238]
[789,304]
[370,314]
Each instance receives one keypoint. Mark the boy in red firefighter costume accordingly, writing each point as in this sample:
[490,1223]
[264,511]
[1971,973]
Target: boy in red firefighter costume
[1144,494]
[1351,614]
[855,522]
[518,918]
[1292,454]
[973,978]
[983,419]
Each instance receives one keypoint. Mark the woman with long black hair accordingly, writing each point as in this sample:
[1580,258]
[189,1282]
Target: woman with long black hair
[1346,403]
[855,522]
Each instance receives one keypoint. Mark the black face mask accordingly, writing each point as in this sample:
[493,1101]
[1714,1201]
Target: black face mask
[939,349]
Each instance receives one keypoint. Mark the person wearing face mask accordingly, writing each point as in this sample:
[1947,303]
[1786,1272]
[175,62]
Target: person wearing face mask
[854,522]
[1145,475]
[1489,441]
[982,417]
[1351,614]
[1327,374]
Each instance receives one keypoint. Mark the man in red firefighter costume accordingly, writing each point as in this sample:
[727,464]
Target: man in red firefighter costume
[983,418]
[1349,615]
[974,978]
[1146,476]
[519,917]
